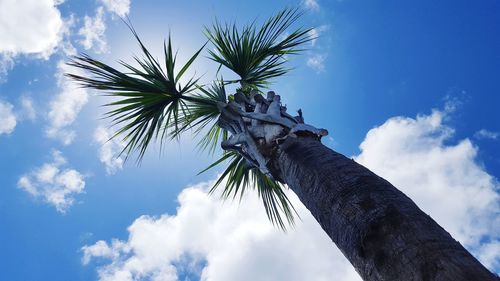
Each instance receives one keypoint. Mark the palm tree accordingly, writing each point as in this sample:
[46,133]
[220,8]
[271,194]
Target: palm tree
[380,230]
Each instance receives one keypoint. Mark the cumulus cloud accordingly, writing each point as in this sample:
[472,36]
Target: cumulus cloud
[7,118]
[220,241]
[311,5]
[226,241]
[10,116]
[65,106]
[109,149]
[317,62]
[486,134]
[29,27]
[93,32]
[443,179]
[54,185]
[118,7]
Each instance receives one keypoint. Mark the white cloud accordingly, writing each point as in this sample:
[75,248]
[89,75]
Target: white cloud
[7,118]
[485,134]
[224,241]
[103,250]
[109,150]
[10,116]
[6,64]
[236,241]
[316,32]
[27,108]
[311,5]
[66,46]
[488,254]
[443,179]
[317,62]
[119,7]
[54,185]
[93,32]
[29,27]
[64,108]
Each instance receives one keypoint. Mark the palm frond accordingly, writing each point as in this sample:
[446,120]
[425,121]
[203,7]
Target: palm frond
[275,201]
[257,55]
[151,98]
[240,176]
[152,104]
[202,113]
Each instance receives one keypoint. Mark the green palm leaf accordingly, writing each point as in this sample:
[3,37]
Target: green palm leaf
[202,112]
[152,104]
[240,176]
[257,55]
[151,98]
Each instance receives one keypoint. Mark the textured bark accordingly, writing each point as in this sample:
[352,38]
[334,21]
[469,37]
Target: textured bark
[379,229]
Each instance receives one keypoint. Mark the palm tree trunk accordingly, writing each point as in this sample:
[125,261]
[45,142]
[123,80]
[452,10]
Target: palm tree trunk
[379,229]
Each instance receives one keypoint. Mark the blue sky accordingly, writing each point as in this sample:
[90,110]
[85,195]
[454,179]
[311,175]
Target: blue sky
[408,88]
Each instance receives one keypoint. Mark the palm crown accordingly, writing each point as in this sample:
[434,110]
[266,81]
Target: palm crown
[153,105]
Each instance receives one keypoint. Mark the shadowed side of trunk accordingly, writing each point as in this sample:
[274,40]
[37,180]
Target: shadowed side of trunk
[379,229]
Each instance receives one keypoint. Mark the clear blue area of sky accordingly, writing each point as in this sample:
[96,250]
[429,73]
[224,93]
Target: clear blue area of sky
[382,59]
